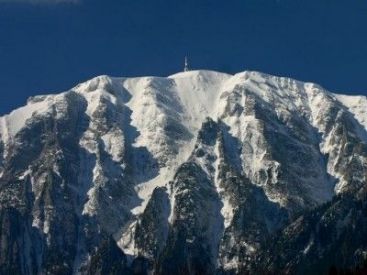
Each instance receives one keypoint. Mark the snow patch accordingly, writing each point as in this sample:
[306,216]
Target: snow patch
[357,105]
[145,189]
[17,119]
[127,240]
[227,210]
[308,246]
[114,144]
[199,92]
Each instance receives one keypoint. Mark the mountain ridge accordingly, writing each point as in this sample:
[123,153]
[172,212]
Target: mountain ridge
[200,161]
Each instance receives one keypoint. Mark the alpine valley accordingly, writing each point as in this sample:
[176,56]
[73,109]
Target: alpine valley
[200,172]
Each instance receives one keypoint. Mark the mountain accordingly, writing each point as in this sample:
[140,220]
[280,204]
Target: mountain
[200,172]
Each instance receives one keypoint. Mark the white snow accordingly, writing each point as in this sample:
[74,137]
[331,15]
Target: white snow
[127,242]
[4,134]
[227,210]
[356,105]
[17,119]
[25,174]
[232,264]
[309,245]
[114,144]
[172,197]
[186,99]
[199,92]
[193,97]
[145,189]
[320,102]
[89,142]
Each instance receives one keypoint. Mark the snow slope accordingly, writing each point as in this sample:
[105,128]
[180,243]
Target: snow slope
[186,99]
[357,105]
[152,123]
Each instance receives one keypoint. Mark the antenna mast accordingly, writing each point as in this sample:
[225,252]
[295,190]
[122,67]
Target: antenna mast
[186,68]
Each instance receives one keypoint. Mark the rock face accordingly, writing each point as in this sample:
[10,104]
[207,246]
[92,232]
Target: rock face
[197,173]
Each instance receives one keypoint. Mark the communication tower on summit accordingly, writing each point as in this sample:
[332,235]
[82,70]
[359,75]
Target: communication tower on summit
[186,68]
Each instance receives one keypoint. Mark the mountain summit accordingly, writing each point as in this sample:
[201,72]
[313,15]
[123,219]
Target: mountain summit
[200,172]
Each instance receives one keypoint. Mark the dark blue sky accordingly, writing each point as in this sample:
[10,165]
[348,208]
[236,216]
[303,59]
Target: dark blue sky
[51,47]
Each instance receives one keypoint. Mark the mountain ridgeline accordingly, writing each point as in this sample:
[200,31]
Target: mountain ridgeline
[197,173]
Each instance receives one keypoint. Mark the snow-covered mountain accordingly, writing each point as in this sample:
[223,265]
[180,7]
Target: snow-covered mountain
[188,174]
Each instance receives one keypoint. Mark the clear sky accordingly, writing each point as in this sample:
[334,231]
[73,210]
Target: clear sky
[49,46]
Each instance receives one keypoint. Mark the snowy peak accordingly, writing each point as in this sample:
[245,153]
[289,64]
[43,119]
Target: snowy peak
[194,171]
[198,93]
[167,112]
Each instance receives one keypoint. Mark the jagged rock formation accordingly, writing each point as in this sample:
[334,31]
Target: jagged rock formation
[197,173]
